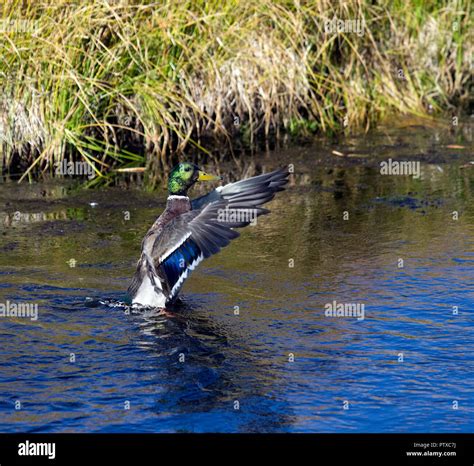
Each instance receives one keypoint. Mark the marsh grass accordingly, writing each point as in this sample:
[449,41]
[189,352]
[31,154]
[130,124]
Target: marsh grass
[129,84]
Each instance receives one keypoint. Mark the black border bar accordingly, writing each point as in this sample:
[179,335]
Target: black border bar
[321,448]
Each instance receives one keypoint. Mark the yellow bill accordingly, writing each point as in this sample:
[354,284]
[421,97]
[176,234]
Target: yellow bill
[206,177]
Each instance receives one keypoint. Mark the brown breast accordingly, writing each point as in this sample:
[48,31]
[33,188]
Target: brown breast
[175,205]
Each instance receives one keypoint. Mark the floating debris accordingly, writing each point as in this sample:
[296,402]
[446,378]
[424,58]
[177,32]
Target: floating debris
[131,170]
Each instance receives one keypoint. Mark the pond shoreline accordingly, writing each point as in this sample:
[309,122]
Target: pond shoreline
[127,86]
[449,145]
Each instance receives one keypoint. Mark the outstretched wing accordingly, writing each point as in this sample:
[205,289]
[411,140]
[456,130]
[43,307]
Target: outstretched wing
[187,240]
[248,193]
[195,235]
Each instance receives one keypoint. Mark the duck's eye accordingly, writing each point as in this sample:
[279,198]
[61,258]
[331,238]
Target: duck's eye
[187,169]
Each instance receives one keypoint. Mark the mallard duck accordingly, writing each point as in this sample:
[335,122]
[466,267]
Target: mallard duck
[189,231]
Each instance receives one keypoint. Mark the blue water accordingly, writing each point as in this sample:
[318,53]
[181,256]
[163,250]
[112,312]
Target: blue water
[279,364]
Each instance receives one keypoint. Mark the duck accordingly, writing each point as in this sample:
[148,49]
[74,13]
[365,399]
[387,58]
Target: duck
[189,231]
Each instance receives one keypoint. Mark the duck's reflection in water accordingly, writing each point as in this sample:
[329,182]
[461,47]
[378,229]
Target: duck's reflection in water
[202,367]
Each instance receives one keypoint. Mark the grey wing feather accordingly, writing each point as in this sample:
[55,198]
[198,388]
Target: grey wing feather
[201,226]
[249,193]
[203,231]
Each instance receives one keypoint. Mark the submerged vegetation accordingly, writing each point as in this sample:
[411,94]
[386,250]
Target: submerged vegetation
[124,84]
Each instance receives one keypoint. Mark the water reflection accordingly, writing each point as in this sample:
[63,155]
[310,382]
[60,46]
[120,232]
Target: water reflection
[205,367]
[344,226]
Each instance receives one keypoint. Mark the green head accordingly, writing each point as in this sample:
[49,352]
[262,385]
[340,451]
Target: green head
[184,175]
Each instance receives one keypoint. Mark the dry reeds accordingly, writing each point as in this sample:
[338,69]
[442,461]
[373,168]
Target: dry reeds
[128,83]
